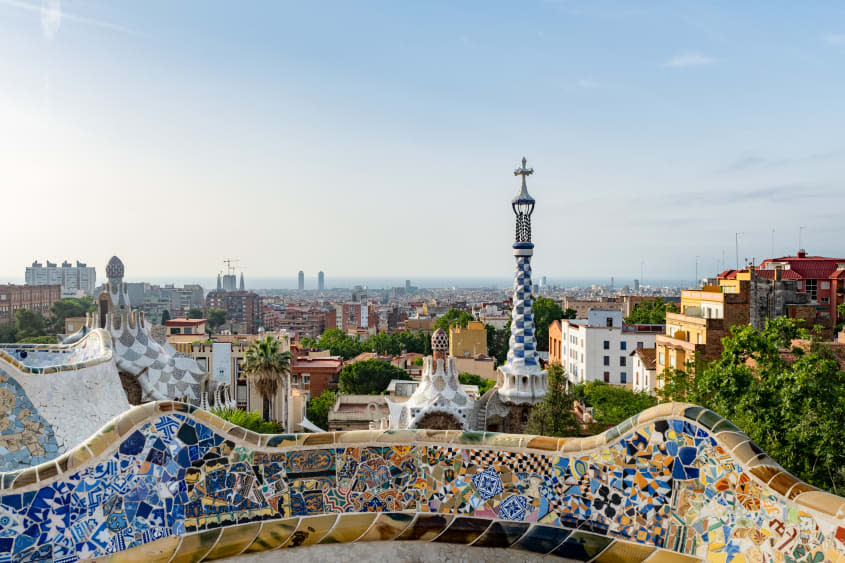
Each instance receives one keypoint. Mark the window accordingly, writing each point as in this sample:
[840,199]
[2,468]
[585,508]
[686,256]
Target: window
[607,344]
[640,345]
[623,377]
[609,321]
[306,378]
[811,286]
[623,345]
[672,360]
[662,358]
[622,361]
[825,300]
[607,377]
[607,360]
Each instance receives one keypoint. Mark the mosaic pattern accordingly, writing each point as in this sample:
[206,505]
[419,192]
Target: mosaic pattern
[675,480]
[26,439]
[93,349]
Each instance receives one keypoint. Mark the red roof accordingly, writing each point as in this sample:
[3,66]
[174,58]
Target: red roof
[184,322]
[808,267]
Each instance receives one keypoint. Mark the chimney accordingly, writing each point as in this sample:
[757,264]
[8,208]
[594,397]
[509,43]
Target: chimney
[802,253]
[778,270]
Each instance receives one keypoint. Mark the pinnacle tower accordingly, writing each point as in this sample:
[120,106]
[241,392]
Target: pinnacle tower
[521,381]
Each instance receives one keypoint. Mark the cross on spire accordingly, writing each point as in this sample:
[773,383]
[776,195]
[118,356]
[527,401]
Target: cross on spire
[524,171]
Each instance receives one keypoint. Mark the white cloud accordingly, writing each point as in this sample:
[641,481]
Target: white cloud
[51,17]
[834,38]
[689,59]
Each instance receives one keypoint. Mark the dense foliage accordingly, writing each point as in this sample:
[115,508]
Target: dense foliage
[553,415]
[611,404]
[341,344]
[249,420]
[651,311]
[215,319]
[194,313]
[497,342]
[68,308]
[789,400]
[51,339]
[318,408]
[453,317]
[483,383]
[369,377]
[546,311]
[266,368]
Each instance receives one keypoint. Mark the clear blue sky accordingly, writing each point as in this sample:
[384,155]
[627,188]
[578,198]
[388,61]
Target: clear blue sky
[367,138]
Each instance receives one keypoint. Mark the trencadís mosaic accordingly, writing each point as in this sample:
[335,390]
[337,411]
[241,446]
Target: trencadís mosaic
[670,482]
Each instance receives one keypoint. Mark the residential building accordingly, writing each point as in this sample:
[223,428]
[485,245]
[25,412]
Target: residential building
[481,365]
[821,278]
[598,348]
[491,314]
[357,412]
[469,341]
[359,318]
[695,333]
[74,324]
[582,306]
[313,375]
[300,321]
[75,280]
[39,298]
[645,370]
[243,309]
[181,333]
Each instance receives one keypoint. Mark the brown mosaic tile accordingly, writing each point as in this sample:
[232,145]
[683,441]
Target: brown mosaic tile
[234,540]
[349,527]
[194,547]
[426,527]
[311,530]
[273,533]
[387,526]
[625,552]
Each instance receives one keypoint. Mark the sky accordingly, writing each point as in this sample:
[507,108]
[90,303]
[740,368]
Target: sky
[380,138]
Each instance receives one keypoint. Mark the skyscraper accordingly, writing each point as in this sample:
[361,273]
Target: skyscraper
[301,278]
[321,281]
[242,281]
[524,381]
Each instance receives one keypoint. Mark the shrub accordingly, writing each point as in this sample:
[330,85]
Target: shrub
[249,420]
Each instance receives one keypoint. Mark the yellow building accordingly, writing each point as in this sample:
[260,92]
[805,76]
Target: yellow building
[695,333]
[468,342]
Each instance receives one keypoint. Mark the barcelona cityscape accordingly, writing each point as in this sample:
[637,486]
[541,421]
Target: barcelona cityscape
[422,281]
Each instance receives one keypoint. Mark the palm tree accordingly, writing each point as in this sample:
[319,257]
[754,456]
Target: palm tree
[267,368]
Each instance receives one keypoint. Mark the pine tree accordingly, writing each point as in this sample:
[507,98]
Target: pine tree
[553,416]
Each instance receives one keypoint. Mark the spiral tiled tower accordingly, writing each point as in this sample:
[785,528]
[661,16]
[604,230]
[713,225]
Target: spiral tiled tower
[521,381]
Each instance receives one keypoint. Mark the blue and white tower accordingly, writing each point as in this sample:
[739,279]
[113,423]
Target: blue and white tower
[521,381]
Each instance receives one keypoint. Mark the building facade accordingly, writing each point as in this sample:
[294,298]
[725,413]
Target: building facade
[38,298]
[74,279]
[645,370]
[469,341]
[243,309]
[599,348]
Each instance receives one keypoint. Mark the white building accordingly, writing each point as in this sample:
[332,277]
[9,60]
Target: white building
[75,280]
[645,370]
[599,347]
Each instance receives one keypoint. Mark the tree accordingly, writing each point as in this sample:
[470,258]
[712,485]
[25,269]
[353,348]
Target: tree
[483,383]
[840,313]
[612,404]
[8,333]
[651,311]
[29,323]
[453,317]
[553,415]
[67,308]
[369,377]
[546,311]
[319,407]
[339,344]
[266,369]
[570,313]
[165,316]
[39,340]
[787,399]
[498,342]
[215,318]
[194,313]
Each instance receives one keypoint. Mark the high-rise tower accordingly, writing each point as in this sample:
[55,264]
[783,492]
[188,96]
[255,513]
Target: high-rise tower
[521,380]
[301,280]
[321,281]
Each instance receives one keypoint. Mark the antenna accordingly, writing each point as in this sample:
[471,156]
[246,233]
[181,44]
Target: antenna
[737,249]
[800,232]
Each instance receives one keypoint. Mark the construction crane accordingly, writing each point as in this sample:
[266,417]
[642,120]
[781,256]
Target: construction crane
[229,268]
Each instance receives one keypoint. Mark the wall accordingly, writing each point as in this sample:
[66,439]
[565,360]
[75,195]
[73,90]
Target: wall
[168,482]
[48,408]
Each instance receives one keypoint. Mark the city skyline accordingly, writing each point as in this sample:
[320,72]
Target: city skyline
[650,131]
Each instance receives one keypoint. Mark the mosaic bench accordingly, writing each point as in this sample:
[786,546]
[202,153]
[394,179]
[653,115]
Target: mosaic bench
[168,482]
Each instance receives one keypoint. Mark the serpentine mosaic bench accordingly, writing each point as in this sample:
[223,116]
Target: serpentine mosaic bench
[168,482]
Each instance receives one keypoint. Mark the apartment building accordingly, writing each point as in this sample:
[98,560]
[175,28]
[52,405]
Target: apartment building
[598,348]
[243,309]
[73,279]
[39,298]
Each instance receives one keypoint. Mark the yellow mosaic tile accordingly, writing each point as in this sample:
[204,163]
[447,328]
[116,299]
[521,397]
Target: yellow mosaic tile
[387,526]
[47,470]
[745,452]
[823,502]
[543,443]
[394,437]
[273,534]
[349,527]
[25,478]
[159,551]
[311,530]
[441,436]
[357,436]
[319,439]
[663,556]
[570,445]
[730,440]
[624,552]
[194,547]
[234,540]
[502,440]
[97,444]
